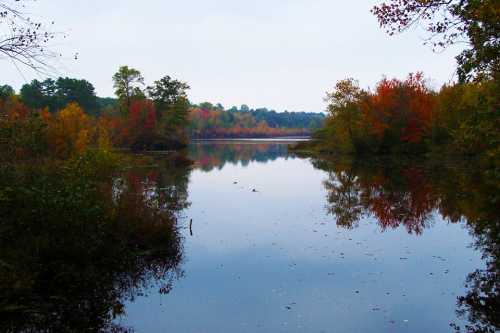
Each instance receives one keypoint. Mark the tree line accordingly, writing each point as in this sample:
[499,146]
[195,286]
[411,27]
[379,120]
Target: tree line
[159,116]
[54,112]
[407,116]
[212,121]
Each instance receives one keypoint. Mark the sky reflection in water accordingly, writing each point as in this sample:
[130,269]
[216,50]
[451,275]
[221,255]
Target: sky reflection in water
[282,260]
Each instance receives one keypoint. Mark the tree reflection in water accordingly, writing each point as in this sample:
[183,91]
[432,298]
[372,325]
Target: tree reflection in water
[408,194]
[74,246]
[210,155]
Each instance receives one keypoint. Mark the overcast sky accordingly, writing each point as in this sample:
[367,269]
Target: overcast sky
[280,54]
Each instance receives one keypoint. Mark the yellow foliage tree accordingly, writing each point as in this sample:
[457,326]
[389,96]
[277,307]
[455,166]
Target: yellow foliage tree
[103,137]
[70,131]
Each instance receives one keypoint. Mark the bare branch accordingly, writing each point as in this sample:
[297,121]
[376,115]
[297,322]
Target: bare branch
[25,41]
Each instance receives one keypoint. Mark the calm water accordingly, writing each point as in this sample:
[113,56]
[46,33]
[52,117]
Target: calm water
[280,243]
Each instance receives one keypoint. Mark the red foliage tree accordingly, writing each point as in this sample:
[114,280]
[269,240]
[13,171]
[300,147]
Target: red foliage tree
[400,110]
[138,131]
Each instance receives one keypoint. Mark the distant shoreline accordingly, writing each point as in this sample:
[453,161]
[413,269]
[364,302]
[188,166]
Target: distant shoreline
[270,139]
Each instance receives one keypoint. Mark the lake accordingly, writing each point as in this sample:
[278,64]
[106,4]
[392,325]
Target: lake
[273,242]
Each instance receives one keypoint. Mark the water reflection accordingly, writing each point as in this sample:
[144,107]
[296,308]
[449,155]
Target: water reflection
[396,195]
[209,155]
[73,266]
[481,305]
[410,194]
[255,261]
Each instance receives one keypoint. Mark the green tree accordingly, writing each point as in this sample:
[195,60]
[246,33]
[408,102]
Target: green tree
[206,106]
[55,95]
[172,106]
[38,95]
[177,116]
[127,82]
[81,92]
[6,91]
[345,114]
[166,92]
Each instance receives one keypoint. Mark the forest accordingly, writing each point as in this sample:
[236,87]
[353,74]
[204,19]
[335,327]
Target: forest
[68,116]
[408,117]
[141,118]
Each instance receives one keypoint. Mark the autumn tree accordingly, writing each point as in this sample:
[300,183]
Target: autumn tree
[476,22]
[399,112]
[466,119]
[127,82]
[396,117]
[22,131]
[139,132]
[69,131]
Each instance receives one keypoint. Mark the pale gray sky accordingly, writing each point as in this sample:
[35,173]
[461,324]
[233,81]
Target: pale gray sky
[280,54]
